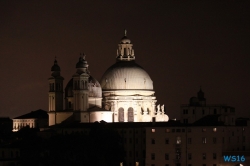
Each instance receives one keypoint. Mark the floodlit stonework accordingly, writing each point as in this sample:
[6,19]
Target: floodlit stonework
[124,94]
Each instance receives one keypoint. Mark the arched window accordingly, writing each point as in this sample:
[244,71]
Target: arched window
[121,114]
[130,114]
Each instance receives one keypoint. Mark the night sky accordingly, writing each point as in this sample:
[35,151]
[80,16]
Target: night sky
[181,44]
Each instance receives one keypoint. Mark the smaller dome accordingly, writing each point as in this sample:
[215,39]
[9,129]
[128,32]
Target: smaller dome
[55,67]
[193,101]
[95,89]
[125,40]
[82,63]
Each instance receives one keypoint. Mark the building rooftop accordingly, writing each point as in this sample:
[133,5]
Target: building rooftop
[38,114]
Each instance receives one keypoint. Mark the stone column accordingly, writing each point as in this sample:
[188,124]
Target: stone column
[135,111]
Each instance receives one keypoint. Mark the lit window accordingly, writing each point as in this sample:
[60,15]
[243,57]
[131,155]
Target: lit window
[203,130]
[167,130]
[178,140]
[153,130]
[204,140]
[214,129]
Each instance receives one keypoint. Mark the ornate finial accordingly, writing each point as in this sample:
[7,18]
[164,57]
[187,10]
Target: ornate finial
[125,32]
[83,56]
[55,61]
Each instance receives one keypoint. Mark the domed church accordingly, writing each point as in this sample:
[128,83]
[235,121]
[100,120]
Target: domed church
[125,92]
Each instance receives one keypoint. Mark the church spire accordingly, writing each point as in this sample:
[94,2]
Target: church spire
[125,52]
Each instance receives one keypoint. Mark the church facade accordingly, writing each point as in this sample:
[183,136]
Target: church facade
[125,92]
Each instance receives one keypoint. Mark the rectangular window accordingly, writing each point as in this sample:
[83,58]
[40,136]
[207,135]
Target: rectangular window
[189,130]
[173,130]
[153,130]
[204,156]
[204,130]
[166,156]
[178,140]
[214,140]
[189,140]
[204,140]
[243,139]
[152,156]
[178,130]
[193,111]
[183,130]
[189,156]
[167,141]
[203,112]
[185,121]
[214,156]
[152,141]
[214,129]
[167,130]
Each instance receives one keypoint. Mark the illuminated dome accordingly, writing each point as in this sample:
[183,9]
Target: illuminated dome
[126,75]
[125,40]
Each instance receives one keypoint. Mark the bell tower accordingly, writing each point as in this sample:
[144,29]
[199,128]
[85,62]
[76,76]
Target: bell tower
[81,91]
[55,92]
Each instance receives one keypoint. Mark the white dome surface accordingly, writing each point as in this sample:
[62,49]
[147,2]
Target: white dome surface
[126,75]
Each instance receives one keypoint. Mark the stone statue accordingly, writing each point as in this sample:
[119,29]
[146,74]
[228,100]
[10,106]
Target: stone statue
[162,109]
[158,108]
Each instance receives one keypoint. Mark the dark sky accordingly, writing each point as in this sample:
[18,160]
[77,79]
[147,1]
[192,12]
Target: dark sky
[181,44]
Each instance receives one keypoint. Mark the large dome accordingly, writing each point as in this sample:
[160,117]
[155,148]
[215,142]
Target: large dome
[126,75]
